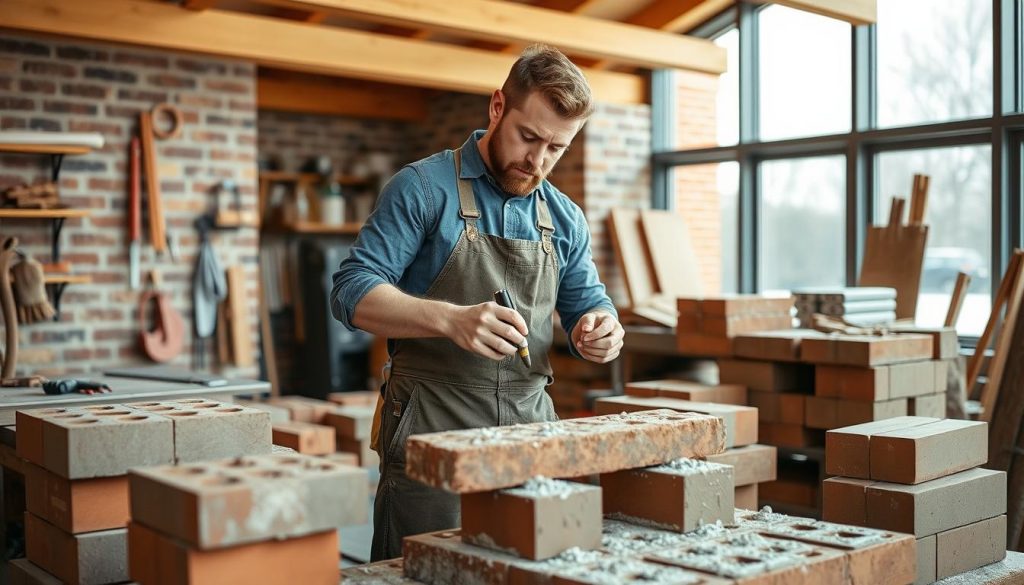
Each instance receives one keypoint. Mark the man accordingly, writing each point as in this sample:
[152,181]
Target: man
[447,232]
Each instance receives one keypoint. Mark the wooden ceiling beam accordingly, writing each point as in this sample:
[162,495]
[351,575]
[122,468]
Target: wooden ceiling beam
[510,22]
[855,12]
[300,93]
[295,46]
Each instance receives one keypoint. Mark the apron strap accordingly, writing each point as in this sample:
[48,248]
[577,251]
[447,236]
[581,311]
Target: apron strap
[544,224]
[467,201]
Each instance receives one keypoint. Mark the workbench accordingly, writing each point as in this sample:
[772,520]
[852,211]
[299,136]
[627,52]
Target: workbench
[124,390]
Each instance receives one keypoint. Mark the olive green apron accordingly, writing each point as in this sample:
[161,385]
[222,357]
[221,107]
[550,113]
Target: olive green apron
[437,386]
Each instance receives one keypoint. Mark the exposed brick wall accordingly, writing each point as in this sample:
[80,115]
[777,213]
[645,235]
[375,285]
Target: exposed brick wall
[59,84]
[696,193]
[616,173]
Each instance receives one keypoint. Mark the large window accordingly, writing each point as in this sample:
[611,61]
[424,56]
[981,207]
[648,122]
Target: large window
[809,193]
[934,60]
[829,121]
[803,92]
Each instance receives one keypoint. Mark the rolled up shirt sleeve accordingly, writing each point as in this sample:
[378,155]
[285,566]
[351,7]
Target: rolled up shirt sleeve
[580,290]
[387,244]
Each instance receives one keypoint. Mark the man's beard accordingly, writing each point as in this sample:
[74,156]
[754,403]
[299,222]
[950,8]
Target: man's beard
[510,181]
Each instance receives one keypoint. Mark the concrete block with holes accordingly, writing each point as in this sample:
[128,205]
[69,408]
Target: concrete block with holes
[223,503]
[207,429]
[95,441]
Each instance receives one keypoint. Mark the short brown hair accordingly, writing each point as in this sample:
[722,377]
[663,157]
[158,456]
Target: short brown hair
[545,69]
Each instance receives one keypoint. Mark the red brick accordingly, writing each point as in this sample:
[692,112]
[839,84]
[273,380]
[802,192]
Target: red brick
[847,449]
[306,438]
[752,463]
[843,500]
[923,452]
[43,86]
[740,421]
[745,497]
[679,496]
[867,350]
[157,559]
[937,505]
[852,383]
[969,547]
[779,346]
[767,376]
[493,458]
[308,410]
[90,559]
[229,502]
[789,435]
[778,407]
[537,521]
[831,413]
[361,449]
[354,422]
[683,390]
[80,505]
[945,342]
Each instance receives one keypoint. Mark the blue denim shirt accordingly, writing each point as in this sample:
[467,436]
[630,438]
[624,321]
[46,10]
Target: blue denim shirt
[412,231]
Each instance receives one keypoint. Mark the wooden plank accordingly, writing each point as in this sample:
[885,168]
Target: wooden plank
[338,99]
[510,22]
[956,301]
[44,213]
[676,272]
[44,148]
[296,46]
[855,12]
[631,253]
[241,338]
[678,16]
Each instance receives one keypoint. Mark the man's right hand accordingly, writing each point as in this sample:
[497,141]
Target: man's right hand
[487,329]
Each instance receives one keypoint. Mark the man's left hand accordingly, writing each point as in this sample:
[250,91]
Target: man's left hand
[598,337]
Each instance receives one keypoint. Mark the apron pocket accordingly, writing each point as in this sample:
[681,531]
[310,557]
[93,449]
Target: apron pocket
[396,447]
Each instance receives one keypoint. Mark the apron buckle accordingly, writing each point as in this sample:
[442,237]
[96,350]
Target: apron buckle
[472,233]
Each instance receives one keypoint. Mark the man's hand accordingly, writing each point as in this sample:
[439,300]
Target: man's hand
[487,329]
[598,337]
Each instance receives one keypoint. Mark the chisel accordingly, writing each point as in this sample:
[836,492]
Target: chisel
[505,300]
[134,215]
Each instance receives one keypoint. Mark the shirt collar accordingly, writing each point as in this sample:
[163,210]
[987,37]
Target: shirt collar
[473,166]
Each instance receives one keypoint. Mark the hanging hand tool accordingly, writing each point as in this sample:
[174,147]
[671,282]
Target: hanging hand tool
[30,291]
[167,337]
[157,235]
[134,215]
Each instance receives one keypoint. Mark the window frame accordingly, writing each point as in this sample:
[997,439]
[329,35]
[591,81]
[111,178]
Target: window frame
[1003,131]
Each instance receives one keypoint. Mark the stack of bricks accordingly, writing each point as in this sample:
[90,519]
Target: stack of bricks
[920,476]
[270,519]
[681,529]
[804,383]
[708,326]
[574,381]
[868,378]
[76,485]
[351,427]
[754,463]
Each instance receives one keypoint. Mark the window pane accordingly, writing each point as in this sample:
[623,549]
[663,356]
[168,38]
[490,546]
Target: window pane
[803,223]
[934,60]
[959,214]
[707,197]
[805,74]
[708,106]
